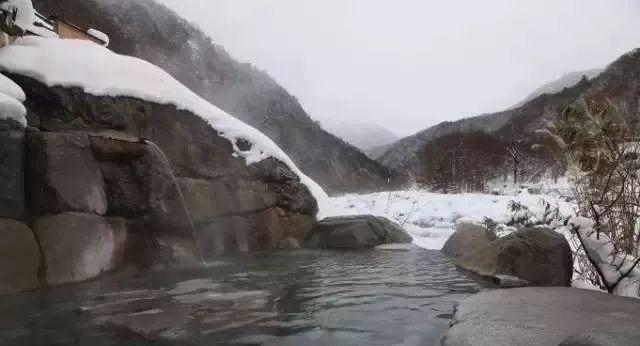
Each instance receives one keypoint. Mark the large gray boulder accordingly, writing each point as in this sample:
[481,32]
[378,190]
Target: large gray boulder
[12,198]
[534,257]
[467,238]
[19,257]
[544,316]
[78,247]
[355,232]
[63,174]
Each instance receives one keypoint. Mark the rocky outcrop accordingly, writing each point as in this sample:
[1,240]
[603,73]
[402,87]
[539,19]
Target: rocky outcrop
[111,183]
[535,257]
[545,316]
[355,232]
[19,257]
[467,238]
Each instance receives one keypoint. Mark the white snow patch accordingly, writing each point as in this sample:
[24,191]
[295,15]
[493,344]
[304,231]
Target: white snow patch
[430,218]
[101,72]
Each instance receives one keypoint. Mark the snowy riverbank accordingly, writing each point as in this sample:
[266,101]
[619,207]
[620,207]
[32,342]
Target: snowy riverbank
[430,217]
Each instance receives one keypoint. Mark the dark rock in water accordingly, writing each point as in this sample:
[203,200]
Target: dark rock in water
[355,232]
[19,257]
[63,175]
[541,257]
[12,195]
[467,238]
[544,316]
[78,246]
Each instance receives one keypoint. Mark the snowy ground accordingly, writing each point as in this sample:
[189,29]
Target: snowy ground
[430,217]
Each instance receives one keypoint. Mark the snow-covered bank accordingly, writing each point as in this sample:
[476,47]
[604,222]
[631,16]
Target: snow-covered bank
[430,217]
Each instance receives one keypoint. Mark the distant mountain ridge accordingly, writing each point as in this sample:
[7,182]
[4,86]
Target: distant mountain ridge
[363,135]
[151,31]
[403,155]
[566,81]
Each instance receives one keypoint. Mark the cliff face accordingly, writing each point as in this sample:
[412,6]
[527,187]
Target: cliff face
[145,29]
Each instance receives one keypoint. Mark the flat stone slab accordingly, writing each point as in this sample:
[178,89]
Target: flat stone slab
[545,316]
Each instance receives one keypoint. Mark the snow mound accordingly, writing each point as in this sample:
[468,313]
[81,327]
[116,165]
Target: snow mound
[101,72]
[12,109]
[10,88]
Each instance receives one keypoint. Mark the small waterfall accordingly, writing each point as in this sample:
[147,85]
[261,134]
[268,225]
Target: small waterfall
[167,164]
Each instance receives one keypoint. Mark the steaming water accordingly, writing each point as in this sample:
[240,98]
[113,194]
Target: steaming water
[287,298]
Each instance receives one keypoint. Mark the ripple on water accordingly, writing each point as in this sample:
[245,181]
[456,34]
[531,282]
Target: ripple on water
[287,298]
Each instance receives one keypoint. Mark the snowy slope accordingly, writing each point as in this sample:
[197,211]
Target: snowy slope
[99,71]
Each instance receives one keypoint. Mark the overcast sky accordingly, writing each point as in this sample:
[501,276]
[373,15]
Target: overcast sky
[409,64]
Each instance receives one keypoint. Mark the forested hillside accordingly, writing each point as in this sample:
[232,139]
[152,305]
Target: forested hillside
[508,138]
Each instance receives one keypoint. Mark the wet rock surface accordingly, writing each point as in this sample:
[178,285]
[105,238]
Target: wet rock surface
[545,316]
[77,246]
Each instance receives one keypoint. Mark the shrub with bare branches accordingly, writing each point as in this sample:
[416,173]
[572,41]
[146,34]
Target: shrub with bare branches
[602,150]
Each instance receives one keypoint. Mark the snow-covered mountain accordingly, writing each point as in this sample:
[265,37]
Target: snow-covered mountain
[566,81]
[363,135]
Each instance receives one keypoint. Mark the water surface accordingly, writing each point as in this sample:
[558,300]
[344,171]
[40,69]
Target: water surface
[285,298]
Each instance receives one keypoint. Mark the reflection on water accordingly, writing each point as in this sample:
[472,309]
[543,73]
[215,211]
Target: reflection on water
[287,298]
